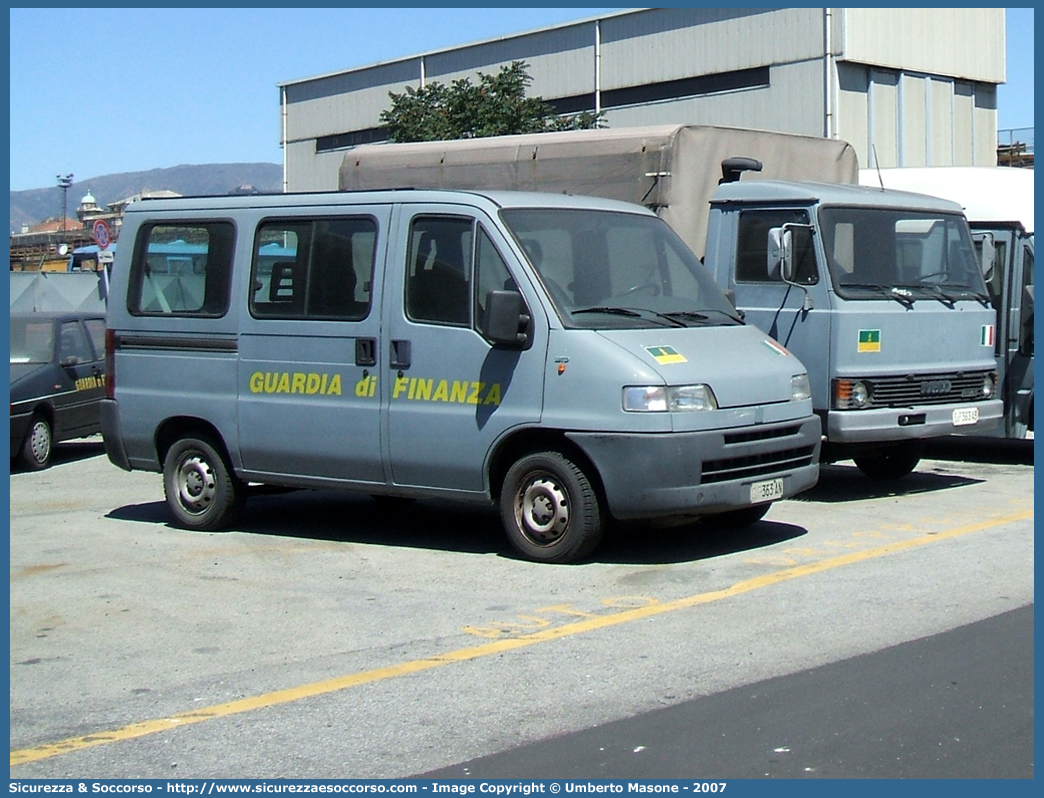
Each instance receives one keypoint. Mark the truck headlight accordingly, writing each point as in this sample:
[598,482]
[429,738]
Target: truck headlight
[672,398]
[799,388]
[989,384]
[851,394]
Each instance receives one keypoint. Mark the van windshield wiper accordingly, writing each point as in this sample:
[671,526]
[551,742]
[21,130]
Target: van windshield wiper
[700,315]
[635,313]
[900,295]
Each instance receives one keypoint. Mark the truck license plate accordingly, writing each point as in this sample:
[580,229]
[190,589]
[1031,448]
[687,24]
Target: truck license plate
[767,491]
[965,415]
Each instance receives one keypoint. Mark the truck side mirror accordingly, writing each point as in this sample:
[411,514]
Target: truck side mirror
[781,254]
[987,254]
[506,319]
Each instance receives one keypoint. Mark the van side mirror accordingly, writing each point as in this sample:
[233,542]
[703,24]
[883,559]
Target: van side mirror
[987,254]
[506,319]
[780,249]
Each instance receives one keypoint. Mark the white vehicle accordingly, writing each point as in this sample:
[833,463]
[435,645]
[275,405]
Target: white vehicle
[998,202]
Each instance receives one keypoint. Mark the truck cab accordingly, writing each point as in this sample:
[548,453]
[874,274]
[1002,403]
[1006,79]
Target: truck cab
[998,202]
[880,294]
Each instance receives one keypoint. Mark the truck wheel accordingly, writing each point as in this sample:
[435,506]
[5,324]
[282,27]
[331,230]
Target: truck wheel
[201,489]
[550,510]
[38,444]
[734,519]
[890,462]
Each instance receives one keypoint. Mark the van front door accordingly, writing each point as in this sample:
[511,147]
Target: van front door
[309,349]
[450,393]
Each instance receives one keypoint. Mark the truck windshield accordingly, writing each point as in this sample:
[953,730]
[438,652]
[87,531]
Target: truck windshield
[605,269]
[886,253]
[32,340]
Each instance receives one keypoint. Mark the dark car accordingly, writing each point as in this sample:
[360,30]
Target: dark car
[57,381]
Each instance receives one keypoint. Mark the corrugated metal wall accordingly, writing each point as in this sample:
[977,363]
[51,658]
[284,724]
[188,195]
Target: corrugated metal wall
[914,85]
[963,43]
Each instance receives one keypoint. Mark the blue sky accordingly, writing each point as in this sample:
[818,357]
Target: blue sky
[100,91]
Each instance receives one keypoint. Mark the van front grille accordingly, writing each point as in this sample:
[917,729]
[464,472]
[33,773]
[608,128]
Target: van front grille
[758,434]
[756,465]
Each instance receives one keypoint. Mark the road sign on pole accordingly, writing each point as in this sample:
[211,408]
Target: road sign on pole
[101,234]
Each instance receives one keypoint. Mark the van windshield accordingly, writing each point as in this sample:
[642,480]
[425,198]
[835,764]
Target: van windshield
[605,269]
[886,254]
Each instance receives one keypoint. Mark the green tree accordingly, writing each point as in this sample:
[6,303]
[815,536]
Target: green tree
[496,106]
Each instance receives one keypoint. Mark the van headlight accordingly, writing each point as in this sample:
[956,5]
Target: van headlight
[799,388]
[670,398]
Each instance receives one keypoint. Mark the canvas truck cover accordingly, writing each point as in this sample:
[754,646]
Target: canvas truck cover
[673,169]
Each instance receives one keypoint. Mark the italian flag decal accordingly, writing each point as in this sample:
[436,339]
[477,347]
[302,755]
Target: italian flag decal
[986,336]
[869,341]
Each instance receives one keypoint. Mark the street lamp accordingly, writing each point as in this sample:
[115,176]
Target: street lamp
[64,183]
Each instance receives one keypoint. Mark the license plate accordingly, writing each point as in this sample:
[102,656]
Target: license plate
[767,491]
[965,415]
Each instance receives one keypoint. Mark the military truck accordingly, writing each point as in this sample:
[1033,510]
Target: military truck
[998,201]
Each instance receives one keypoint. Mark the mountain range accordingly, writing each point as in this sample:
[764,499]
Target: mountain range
[32,206]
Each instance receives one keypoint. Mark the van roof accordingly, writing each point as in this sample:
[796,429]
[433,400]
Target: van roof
[769,191]
[498,199]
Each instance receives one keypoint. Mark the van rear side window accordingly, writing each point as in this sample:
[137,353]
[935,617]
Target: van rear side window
[182,269]
[313,268]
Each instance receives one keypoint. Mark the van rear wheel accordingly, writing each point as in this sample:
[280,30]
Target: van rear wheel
[201,489]
[550,510]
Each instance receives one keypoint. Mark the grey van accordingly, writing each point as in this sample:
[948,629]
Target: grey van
[567,358]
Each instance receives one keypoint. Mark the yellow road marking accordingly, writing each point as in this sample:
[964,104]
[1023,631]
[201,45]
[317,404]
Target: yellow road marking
[134,730]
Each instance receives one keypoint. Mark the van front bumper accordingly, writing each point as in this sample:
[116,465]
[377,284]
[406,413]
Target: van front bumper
[908,423]
[648,476]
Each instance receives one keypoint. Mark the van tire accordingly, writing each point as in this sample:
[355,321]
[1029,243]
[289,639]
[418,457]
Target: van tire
[38,445]
[733,519]
[534,486]
[201,489]
[890,462]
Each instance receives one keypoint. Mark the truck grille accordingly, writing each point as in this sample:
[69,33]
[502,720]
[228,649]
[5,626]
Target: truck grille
[927,389]
[756,465]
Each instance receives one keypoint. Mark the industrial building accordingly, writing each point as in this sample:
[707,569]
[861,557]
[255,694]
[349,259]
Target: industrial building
[906,87]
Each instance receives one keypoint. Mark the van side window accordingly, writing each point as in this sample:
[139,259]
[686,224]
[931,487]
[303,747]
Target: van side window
[752,247]
[438,270]
[182,269]
[313,268]
[491,274]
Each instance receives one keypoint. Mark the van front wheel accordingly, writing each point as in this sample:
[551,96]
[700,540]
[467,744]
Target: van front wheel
[550,509]
[201,490]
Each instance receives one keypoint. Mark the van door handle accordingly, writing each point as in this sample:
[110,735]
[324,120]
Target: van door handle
[400,354]
[366,351]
